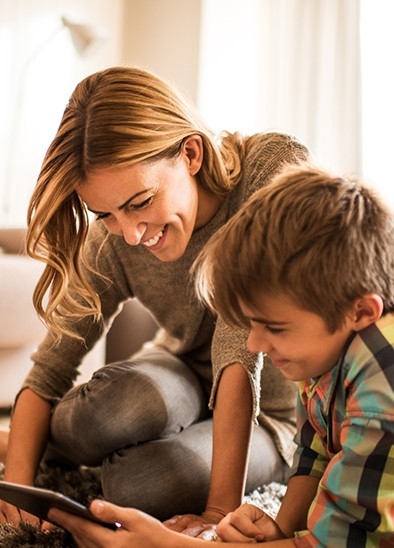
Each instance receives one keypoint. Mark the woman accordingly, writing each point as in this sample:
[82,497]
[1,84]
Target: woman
[131,150]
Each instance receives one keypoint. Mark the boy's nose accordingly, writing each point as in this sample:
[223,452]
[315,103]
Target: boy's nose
[258,343]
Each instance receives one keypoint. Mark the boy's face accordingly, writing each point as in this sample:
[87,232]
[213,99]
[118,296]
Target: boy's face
[297,341]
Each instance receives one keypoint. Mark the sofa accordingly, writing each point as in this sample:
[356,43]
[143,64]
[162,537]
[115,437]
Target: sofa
[21,330]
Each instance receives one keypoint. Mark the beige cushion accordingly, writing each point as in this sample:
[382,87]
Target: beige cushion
[19,323]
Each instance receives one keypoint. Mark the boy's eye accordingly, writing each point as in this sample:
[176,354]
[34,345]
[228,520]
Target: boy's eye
[273,330]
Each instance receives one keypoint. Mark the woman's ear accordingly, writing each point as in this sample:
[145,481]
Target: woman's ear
[366,310]
[194,151]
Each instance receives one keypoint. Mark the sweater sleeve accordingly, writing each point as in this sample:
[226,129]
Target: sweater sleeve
[267,154]
[229,347]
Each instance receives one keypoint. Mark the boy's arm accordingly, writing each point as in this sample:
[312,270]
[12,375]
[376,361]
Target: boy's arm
[355,493]
[249,522]
[293,513]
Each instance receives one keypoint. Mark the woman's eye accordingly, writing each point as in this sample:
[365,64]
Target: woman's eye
[141,205]
[100,216]
[130,208]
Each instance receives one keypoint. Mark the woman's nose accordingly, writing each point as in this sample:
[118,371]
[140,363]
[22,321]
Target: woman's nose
[132,232]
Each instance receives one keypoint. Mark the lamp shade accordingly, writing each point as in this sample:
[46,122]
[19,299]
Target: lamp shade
[83,36]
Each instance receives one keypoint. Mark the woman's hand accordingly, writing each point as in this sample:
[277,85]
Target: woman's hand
[248,524]
[25,446]
[12,514]
[203,527]
[3,444]
[135,528]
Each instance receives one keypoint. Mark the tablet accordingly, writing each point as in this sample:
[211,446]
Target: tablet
[38,501]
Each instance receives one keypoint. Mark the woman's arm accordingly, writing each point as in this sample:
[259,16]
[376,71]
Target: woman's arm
[232,426]
[27,441]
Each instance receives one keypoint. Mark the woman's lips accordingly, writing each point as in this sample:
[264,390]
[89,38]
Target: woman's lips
[154,240]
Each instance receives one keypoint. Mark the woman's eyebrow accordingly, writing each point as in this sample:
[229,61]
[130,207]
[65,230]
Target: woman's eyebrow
[125,204]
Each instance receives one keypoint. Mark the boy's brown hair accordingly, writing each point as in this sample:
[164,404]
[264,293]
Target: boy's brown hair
[321,239]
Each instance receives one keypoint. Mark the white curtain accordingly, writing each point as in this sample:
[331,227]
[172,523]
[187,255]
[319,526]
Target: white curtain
[377,40]
[287,65]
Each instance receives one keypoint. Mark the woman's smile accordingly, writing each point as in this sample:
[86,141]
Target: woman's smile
[154,240]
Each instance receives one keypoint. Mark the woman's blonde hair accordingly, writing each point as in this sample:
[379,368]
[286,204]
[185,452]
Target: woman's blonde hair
[321,239]
[115,117]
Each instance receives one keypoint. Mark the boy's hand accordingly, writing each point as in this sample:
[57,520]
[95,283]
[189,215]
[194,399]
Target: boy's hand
[248,524]
[135,528]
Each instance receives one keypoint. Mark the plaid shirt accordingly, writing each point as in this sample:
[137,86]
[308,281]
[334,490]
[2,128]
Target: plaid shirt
[346,439]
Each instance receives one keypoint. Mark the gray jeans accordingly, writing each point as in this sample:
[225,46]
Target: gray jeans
[147,423]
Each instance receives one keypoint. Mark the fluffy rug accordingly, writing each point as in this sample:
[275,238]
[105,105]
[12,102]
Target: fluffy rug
[83,485]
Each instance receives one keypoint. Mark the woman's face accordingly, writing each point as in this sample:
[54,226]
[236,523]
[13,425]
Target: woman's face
[154,204]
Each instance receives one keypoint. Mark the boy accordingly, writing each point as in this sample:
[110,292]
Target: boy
[313,274]
[308,264]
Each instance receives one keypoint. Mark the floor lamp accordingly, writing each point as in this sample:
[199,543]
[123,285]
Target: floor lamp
[83,37]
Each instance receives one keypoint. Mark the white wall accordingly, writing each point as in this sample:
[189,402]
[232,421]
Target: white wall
[164,36]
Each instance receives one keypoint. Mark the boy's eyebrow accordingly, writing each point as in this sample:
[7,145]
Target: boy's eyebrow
[125,204]
[259,319]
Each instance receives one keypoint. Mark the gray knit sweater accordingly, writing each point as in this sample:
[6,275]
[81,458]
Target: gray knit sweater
[186,328]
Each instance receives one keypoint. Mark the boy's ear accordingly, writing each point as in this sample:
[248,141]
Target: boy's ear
[367,310]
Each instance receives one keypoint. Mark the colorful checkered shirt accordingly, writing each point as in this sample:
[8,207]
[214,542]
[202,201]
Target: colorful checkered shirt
[346,439]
